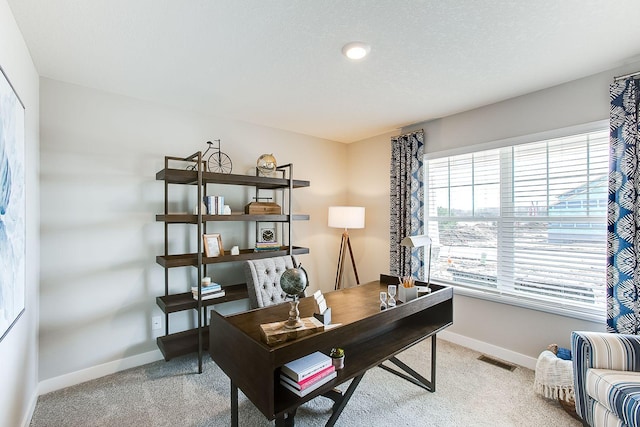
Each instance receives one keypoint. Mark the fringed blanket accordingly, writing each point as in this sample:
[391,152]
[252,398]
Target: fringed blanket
[554,377]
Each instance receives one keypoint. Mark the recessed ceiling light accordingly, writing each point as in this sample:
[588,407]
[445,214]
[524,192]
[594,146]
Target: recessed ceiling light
[356,50]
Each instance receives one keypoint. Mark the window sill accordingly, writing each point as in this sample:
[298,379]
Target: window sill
[524,303]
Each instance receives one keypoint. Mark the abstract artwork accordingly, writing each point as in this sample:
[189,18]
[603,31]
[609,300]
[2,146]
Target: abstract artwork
[12,207]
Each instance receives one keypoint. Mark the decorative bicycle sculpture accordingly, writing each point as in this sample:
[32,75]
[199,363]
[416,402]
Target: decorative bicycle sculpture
[217,161]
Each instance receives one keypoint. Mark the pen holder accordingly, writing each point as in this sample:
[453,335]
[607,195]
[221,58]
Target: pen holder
[325,317]
[407,294]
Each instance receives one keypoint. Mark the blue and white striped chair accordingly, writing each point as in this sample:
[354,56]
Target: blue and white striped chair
[606,376]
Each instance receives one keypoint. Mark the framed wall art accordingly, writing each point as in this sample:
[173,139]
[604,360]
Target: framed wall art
[12,207]
[212,245]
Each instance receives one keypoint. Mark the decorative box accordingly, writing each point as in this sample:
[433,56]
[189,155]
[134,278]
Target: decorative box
[263,208]
[275,333]
[407,294]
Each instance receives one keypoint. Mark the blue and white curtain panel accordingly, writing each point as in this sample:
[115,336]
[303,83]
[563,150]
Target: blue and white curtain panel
[623,268]
[407,203]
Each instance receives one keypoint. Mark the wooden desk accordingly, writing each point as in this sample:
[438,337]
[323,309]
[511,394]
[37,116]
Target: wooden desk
[369,337]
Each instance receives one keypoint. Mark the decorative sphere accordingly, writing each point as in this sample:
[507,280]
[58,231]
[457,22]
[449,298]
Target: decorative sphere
[267,164]
[293,281]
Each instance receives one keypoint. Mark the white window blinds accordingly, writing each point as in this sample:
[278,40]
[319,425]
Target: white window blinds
[526,221]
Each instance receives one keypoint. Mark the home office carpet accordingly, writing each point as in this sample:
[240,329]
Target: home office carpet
[469,392]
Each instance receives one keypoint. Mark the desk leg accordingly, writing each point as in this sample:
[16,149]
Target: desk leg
[341,401]
[286,420]
[433,363]
[234,405]
[413,376]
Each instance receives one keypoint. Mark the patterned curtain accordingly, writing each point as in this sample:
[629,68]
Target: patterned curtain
[407,203]
[623,268]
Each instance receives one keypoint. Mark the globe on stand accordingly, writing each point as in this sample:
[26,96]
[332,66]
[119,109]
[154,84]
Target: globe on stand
[293,282]
[266,165]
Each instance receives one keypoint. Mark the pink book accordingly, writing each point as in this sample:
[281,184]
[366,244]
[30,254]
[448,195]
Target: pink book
[308,382]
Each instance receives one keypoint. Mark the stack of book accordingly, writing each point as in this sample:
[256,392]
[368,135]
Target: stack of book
[302,376]
[214,204]
[213,290]
[267,246]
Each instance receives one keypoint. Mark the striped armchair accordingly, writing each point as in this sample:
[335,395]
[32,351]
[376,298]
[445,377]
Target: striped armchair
[606,376]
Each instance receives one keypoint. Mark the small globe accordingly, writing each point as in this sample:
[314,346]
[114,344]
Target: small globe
[293,281]
[266,164]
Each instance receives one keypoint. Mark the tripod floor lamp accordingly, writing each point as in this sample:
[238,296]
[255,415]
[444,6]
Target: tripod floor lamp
[345,217]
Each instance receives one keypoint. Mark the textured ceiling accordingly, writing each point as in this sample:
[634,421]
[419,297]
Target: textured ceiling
[278,63]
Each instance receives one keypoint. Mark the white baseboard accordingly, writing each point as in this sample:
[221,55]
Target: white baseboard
[73,378]
[490,349]
[98,371]
[30,410]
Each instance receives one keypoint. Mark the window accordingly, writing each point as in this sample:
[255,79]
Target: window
[525,222]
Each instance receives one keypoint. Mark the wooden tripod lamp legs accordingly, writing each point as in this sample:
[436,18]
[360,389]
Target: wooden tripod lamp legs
[344,244]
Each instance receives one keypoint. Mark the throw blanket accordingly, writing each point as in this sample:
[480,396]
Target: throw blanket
[554,377]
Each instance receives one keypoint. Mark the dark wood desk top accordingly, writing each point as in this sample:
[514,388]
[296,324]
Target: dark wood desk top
[368,335]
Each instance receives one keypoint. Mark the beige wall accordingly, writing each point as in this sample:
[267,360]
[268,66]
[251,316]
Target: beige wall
[19,348]
[369,187]
[99,235]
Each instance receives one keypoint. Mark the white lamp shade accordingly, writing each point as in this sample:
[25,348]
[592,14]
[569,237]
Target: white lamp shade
[346,216]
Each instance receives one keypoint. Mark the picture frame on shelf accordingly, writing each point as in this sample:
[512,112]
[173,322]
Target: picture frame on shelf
[213,245]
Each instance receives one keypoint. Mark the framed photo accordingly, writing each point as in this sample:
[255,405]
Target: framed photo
[212,245]
[12,207]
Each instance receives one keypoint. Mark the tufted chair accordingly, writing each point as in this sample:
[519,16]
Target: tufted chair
[263,279]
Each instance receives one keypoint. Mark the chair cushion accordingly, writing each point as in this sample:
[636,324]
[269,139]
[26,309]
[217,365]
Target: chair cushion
[602,417]
[617,391]
[263,280]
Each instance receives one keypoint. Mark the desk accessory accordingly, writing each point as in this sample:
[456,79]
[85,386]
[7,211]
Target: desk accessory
[391,290]
[293,282]
[383,301]
[407,290]
[337,357]
[277,332]
[420,241]
[323,313]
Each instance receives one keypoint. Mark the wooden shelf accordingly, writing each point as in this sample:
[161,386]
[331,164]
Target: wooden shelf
[179,302]
[185,260]
[181,176]
[193,219]
[181,343]
[185,342]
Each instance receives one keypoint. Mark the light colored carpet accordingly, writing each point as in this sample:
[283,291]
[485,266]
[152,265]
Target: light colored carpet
[469,392]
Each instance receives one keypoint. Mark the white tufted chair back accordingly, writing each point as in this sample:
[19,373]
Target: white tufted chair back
[263,279]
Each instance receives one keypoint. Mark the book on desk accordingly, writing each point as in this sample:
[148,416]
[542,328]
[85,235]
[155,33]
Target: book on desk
[302,376]
[306,366]
[284,381]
